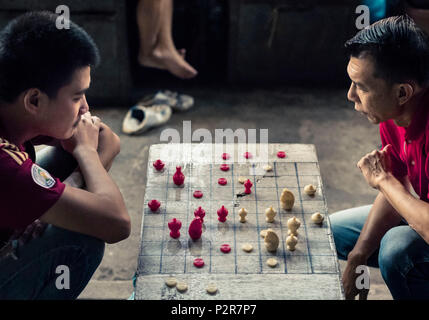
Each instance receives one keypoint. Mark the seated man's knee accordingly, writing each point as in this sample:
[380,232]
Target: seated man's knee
[395,250]
[91,246]
[339,233]
[56,161]
[95,248]
[346,227]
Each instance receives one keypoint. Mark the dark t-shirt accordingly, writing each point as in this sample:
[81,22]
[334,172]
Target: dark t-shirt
[27,191]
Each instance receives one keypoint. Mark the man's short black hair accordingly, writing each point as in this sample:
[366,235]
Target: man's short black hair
[34,53]
[400,49]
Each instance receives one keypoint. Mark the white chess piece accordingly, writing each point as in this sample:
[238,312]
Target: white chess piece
[270,213]
[293,225]
[271,241]
[310,189]
[292,232]
[291,242]
[268,168]
[242,213]
[287,199]
[317,218]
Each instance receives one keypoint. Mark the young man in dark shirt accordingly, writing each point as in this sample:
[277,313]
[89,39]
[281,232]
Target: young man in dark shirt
[44,74]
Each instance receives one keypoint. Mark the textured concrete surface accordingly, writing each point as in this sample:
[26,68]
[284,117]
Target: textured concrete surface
[321,117]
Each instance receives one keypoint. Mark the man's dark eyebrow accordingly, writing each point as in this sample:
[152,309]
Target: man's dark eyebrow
[81,91]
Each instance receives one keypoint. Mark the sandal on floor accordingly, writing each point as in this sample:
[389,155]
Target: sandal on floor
[178,102]
[141,118]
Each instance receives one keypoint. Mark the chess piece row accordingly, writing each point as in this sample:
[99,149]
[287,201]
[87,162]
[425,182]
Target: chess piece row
[293,225]
[196,226]
[271,239]
[179,177]
[222,213]
[270,213]
[287,198]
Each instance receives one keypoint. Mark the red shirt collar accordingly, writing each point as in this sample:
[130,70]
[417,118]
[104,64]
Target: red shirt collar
[420,121]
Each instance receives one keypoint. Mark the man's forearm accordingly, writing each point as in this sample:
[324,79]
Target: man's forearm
[106,158]
[108,149]
[108,146]
[75,180]
[381,218]
[414,210]
[96,178]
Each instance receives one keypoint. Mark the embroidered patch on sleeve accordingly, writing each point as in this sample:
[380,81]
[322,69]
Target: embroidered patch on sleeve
[42,177]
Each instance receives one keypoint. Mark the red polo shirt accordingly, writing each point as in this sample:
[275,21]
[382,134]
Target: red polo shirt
[410,148]
[27,191]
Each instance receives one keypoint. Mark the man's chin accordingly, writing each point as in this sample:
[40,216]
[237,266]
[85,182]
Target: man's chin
[69,134]
[373,120]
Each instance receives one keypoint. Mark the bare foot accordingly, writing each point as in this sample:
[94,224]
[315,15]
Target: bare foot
[182,52]
[171,60]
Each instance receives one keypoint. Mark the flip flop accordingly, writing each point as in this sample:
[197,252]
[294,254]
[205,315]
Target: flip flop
[178,102]
[141,118]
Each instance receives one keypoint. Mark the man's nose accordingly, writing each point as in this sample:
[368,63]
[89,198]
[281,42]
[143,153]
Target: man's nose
[84,108]
[351,94]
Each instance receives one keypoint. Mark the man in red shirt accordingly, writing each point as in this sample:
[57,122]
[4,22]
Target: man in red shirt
[389,70]
[66,214]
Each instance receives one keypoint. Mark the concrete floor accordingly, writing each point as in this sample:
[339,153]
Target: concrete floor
[321,117]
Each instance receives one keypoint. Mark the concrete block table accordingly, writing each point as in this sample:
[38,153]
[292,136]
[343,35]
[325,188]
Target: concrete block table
[309,272]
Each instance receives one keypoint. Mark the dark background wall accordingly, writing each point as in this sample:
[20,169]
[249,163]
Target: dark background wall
[235,42]
[106,22]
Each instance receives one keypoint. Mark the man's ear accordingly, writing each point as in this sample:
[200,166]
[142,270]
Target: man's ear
[33,100]
[404,93]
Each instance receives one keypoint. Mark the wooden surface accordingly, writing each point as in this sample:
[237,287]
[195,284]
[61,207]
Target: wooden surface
[309,272]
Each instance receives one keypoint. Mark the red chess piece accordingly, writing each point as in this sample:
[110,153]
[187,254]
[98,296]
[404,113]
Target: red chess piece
[196,228]
[224,167]
[154,205]
[158,165]
[225,248]
[199,262]
[174,225]
[222,181]
[222,213]
[198,194]
[178,177]
[281,154]
[247,155]
[200,212]
[247,187]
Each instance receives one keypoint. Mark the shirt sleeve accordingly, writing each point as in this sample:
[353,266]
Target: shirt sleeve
[426,153]
[389,135]
[27,192]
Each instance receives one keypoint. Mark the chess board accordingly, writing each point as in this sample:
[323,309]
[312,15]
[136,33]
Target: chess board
[309,272]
